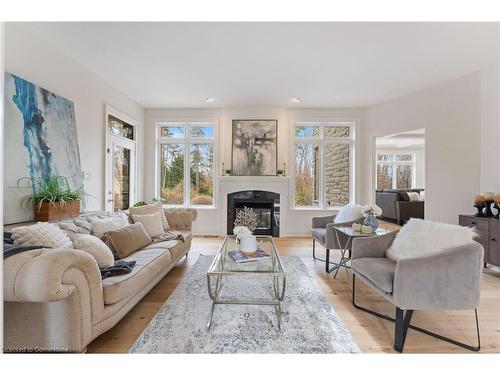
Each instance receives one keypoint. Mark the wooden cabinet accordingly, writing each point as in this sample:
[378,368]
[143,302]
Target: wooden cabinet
[489,235]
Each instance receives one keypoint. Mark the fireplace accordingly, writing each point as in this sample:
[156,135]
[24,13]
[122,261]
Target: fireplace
[266,205]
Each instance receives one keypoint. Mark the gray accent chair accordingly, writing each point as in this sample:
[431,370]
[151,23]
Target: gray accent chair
[448,280]
[323,231]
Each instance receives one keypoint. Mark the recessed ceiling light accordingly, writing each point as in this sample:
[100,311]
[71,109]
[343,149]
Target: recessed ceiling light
[209,100]
[295,100]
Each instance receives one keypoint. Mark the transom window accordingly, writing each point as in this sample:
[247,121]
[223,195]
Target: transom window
[185,174]
[323,158]
[395,170]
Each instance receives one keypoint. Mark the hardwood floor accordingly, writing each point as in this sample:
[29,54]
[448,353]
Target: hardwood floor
[370,333]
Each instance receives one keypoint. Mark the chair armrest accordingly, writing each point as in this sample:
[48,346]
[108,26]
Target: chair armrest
[322,221]
[47,275]
[449,280]
[371,247]
[180,218]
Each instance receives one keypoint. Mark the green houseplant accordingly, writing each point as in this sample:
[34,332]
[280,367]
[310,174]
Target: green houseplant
[52,198]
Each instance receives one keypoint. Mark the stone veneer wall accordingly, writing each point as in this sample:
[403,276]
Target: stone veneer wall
[336,168]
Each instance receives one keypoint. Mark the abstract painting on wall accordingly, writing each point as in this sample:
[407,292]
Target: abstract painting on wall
[39,140]
[254,147]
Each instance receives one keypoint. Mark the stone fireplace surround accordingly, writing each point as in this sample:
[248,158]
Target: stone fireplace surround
[274,184]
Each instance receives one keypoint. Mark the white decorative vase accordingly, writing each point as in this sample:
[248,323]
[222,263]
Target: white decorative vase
[248,245]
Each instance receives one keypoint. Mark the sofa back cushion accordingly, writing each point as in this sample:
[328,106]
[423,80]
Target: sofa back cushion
[95,247]
[152,223]
[102,225]
[44,234]
[128,239]
[349,212]
[149,209]
[423,237]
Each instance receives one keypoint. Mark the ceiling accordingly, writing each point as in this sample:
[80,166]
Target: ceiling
[410,139]
[336,65]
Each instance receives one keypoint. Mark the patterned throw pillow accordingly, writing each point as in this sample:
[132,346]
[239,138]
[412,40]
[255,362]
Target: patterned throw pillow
[101,226]
[95,247]
[128,239]
[44,234]
[152,223]
[72,230]
[148,210]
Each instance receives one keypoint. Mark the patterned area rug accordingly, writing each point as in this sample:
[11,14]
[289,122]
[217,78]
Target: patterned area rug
[310,325]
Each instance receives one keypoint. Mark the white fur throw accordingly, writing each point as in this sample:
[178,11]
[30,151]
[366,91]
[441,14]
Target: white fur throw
[349,212]
[44,234]
[422,237]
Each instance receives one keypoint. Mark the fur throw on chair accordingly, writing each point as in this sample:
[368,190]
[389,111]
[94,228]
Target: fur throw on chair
[422,237]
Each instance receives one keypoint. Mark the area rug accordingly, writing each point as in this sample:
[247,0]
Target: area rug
[310,324]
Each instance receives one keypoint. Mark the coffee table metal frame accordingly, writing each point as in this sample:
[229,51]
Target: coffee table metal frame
[217,272]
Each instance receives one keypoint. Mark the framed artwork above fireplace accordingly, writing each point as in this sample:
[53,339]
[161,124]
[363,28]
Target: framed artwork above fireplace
[254,147]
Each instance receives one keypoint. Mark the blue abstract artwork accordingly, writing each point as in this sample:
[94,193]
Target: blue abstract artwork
[40,139]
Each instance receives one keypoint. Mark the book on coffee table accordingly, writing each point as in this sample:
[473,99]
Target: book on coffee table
[239,257]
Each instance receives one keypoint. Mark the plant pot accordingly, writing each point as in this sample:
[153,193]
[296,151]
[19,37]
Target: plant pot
[248,245]
[56,211]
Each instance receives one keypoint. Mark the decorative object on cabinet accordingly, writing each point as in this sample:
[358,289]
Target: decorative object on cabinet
[489,197]
[479,204]
[497,206]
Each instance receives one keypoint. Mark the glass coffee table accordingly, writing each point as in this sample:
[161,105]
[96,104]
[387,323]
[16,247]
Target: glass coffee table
[223,268]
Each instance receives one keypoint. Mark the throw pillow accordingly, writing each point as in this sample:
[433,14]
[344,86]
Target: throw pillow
[414,197]
[152,223]
[422,195]
[128,239]
[150,209]
[422,237]
[95,247]
[349,212]
[72,230]
[101,226]
[44,234]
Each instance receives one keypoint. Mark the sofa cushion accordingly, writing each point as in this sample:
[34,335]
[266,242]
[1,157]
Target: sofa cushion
[402,194]
[124,241]
[319,234]
[43,234]
[149,263]
[423,237]
[150,209]
[176,248]
[95,247]
[379,271]
[152,223]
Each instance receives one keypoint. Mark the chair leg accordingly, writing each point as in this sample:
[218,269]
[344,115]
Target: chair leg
[401,328]
[327,263]
[314,248]
[404,323]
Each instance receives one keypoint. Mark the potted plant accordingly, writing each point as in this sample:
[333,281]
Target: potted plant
[244,226]
[371,211]
[52,198]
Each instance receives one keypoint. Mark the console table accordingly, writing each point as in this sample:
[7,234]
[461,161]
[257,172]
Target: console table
[488,230]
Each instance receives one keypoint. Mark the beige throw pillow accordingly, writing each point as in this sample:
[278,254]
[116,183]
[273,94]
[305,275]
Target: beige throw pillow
[150,209]
[44,234]
[95,247]
[128,239]
[152,223]
[101,226]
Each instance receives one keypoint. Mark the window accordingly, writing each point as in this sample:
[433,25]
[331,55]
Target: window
[186,163]
[323,156]
[395,170]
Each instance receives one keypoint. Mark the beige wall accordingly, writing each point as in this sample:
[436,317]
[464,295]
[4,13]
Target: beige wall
[451,115]
[35,60]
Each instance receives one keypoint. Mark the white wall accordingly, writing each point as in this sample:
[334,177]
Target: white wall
[451,115]
[35,60]
[209,220]
[419,161]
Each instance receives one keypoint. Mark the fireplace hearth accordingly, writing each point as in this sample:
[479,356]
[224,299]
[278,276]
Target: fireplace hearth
[266,205]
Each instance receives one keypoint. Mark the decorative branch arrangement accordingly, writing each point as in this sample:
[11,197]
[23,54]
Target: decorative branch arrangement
[246,218]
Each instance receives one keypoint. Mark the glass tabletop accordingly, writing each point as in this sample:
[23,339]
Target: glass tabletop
[348,231]
[224,264]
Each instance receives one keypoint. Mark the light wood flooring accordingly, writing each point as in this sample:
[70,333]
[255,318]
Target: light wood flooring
[373,335]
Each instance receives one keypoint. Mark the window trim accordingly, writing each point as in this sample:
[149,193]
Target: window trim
[394,163]
[186,141]
[321,140]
